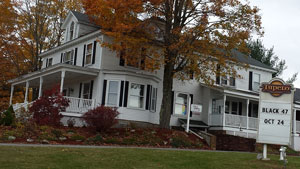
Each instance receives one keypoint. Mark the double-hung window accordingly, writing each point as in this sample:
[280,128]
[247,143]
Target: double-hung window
[49,62]
[72,31]
[256,81]
[113,93]
[68,57]
[136,95]
[86,90]
[181,100]
[153,99]
[88,54]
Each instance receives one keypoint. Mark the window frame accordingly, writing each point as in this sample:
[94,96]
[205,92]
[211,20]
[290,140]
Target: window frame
[129,95]
[187,102]
[153,100]
[254,83]
[72,30]
[86,54]
[107,93]
[71,60]
[48,62]
[89,93]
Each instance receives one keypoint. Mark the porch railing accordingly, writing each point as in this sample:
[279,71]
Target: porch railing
[232,120]
[79,105]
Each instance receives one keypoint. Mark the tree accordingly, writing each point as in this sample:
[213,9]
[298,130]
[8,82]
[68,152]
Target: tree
[192,35]
[267,56]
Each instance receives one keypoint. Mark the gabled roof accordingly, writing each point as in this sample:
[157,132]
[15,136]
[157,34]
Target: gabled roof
[247,59]
[82,18]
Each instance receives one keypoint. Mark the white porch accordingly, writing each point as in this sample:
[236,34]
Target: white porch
[68,77]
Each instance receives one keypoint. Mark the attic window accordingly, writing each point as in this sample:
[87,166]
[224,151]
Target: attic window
[72,31]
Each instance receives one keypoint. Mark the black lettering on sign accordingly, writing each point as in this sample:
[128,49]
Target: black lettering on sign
[280,122]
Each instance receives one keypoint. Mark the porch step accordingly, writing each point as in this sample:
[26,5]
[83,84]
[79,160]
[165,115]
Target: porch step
[193,123]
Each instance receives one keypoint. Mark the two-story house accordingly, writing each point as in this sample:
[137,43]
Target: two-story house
[90,75]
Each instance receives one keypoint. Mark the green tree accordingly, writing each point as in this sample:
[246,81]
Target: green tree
[267,56]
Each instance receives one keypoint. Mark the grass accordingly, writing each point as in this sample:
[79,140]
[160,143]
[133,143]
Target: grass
[115,158]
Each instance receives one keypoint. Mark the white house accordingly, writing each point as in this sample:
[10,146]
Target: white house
[90,75]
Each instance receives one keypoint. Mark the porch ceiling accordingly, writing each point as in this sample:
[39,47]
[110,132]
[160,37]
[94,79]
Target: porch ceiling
[52,75]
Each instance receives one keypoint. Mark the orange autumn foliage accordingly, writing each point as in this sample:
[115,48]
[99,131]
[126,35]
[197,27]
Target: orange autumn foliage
[182,36]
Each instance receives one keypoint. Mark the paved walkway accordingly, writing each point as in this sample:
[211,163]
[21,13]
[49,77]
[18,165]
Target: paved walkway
[108,147]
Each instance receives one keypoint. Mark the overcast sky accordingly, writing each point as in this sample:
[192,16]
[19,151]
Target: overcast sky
[280,19]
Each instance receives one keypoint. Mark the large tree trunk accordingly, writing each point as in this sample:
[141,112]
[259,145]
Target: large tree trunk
[166,106]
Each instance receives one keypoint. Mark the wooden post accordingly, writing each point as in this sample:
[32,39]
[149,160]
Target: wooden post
[247,111]
[62,80]
[11,94]
[26,92]
[41,86]
[224,108]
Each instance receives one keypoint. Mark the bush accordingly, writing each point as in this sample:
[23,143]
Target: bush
[180,142]
[8,117]
[101,118]
[46,110]
[77,137]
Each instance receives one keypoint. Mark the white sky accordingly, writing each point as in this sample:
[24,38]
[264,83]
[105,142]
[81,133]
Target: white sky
[280,19]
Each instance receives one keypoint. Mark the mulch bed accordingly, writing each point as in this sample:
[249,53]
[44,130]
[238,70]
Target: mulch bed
[140,137]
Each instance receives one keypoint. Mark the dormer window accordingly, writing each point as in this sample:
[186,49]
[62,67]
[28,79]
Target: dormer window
[72,31]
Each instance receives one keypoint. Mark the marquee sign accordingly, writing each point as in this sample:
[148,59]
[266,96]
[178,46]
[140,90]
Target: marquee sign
[275,112]
[276,88]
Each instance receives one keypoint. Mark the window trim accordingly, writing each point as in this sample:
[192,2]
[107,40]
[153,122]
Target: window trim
[107,93]
[144,96]
[86,53]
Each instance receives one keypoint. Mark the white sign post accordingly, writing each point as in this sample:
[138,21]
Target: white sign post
[275,114]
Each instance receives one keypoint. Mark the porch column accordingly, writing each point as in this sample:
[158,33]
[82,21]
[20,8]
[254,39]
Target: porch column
[11,94]
[247,111]
[62,80]
[294,122]
[41,86]
[26,92]
[224,108]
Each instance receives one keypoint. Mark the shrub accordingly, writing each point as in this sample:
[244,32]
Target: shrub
[8,117]
[101,118]
[180,142]
[77,137]
[46,110]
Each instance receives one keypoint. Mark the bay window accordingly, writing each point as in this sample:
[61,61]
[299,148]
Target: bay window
[136,95]
[112,94]
[153,99]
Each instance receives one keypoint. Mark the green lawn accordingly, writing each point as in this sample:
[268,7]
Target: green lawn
[123,158]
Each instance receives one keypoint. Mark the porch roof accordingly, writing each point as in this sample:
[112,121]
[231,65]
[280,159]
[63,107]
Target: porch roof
[234,92]
[52,74]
